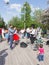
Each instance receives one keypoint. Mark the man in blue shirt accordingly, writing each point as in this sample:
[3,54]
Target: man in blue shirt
[11,32]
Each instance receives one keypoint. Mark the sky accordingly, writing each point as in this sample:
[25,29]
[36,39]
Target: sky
[14,7]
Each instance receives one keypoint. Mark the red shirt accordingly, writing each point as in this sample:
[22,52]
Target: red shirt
[0,31]
[16,37]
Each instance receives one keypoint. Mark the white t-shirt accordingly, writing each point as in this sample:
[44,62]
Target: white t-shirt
[28,30]
[22,31]
[3,31]
[33,31]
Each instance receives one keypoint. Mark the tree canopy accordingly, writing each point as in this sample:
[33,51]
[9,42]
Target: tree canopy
[26,13]
[26,19]
[2,23]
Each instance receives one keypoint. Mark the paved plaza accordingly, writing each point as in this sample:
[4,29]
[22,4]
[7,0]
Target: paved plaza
[21,56]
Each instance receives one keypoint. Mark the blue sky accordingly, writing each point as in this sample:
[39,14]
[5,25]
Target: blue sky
[14,7]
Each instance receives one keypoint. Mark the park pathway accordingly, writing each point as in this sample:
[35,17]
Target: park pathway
[21,56]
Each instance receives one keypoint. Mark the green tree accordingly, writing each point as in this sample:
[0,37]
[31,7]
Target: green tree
[38,15]
[15,21]
[2,23]
[26,13]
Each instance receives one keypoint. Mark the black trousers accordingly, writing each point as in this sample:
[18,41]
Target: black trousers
[32,38]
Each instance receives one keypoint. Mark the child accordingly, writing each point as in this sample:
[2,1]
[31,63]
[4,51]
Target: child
[16,36]
[41,53]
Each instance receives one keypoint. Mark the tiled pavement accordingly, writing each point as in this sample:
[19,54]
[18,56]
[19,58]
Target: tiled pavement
[21,56]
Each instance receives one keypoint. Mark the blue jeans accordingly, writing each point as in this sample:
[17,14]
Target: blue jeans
[41,57]
[11,40]
[28,35]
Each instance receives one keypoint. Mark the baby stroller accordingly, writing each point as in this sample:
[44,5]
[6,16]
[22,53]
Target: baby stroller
[38,40]
[16,38]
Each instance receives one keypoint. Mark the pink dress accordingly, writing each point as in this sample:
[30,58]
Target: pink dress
[41,50]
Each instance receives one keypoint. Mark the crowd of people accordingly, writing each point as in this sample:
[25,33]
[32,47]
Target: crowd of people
[13,35]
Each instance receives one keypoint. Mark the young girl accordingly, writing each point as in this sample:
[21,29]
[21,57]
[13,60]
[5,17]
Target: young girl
[41,53]
[16,36]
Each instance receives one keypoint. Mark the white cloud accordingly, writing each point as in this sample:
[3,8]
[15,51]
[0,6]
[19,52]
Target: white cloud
[6,1]
[37,8]
[33,8]
[16,6]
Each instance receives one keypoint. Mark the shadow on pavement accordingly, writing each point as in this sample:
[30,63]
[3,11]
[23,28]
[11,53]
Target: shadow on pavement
[3,55]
